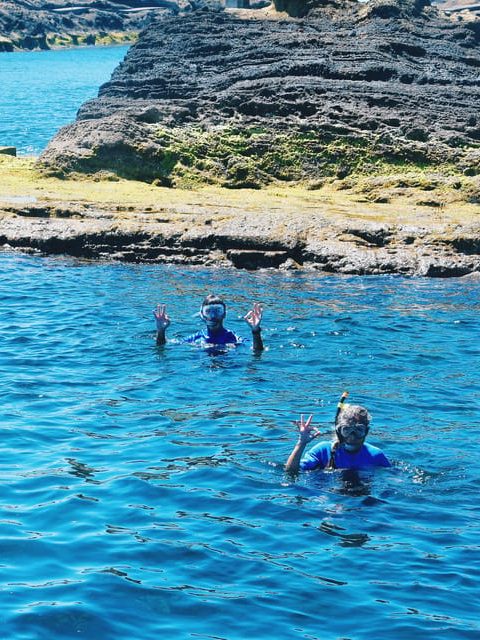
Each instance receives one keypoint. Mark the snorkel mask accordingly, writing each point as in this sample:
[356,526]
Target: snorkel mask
[213,314]
[351,419]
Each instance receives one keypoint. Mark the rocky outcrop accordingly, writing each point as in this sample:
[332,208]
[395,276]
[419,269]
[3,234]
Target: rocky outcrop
[241,98]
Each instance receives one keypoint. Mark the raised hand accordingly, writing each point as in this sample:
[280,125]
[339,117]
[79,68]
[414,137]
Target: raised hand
[306,431]
[254,317]
[161,317]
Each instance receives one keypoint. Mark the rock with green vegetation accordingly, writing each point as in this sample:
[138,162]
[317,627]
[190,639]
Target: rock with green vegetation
[244,98]
[417,223]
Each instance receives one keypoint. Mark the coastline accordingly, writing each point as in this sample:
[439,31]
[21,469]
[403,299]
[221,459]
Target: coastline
[41,26]
[335,228]
[56,41]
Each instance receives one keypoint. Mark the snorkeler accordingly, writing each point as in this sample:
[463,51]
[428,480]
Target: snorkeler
[213,312]
[349,451]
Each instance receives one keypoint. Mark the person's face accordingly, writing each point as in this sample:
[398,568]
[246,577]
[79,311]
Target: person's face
[213,315]
[353,435]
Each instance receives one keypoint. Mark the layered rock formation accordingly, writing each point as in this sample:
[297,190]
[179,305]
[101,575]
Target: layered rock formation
[242,98]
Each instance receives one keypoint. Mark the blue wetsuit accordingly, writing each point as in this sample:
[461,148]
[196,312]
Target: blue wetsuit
[222,337]
[319,455]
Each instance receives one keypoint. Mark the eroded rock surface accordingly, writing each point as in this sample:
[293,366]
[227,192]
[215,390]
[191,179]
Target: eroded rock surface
[229,237]
[241,98]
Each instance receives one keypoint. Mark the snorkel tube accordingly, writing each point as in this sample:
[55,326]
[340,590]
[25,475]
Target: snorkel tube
[343,397]
[335,445]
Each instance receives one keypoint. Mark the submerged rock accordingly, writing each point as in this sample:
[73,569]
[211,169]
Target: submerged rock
[243,97]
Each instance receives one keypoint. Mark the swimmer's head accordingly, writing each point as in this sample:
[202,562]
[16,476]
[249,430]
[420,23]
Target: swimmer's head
[213,311]
[352,426]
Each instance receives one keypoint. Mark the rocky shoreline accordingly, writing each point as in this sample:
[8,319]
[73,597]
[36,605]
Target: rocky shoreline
[330,231]
[246,242]
[333,136]
[40,25]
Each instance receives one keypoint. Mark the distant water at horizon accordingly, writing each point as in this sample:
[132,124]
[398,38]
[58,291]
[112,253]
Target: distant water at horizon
[41,91]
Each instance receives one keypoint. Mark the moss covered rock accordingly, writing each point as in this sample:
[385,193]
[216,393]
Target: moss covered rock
[245,98]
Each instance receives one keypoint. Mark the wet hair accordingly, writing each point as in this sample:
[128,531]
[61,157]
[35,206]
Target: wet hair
[349,414]
[213,299]
[353,413]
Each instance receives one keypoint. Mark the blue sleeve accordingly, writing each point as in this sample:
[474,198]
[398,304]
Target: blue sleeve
[377,457]
[316,458]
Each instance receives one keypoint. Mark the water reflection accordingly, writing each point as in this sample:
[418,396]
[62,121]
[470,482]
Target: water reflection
[346,539]
[82,470]
[354,483]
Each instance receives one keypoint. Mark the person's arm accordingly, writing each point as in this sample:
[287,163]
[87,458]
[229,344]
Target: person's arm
[306,433]
[162,322]
[253,319]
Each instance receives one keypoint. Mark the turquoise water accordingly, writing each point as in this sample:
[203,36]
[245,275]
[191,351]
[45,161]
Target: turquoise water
[143,491]
[42,90]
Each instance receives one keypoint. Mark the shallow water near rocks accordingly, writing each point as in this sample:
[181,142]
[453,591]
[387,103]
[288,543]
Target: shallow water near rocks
[143,490]
[42,91]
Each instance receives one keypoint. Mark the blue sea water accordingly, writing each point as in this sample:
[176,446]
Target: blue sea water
[41,91]
[143,493]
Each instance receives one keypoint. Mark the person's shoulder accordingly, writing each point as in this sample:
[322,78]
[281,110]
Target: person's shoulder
[372,450]
[319,446]
[316,457]
[377,454]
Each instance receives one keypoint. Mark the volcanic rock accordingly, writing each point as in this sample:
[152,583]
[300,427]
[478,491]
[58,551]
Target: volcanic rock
[273,237]
[244,97]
